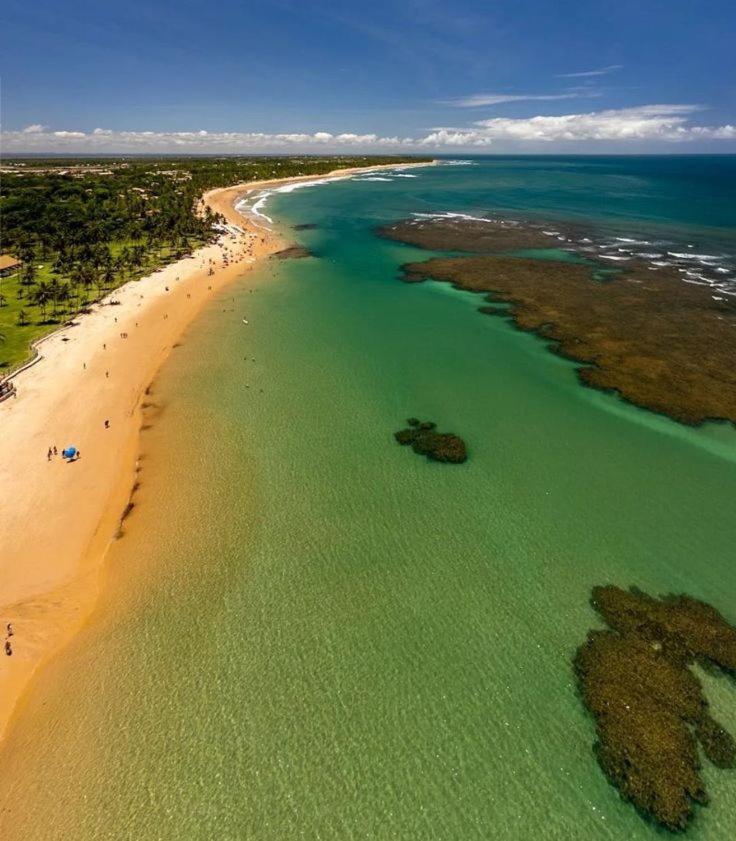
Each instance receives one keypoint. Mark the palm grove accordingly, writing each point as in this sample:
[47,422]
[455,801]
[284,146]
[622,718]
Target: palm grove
[82,227]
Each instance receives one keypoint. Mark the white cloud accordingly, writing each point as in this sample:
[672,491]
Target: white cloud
[601,71]
[649,123]
[646,122]
[72,135]
[727,132]
[356,138]
[40,138]
[479,99]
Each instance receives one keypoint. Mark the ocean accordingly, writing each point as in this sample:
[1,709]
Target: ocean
[309,632]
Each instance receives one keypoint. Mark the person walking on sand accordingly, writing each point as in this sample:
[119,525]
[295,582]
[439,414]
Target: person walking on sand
[8,648]
[49,454]
[107,424]
[55,450]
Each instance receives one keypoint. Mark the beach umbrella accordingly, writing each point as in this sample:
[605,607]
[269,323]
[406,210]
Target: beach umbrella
[69,452]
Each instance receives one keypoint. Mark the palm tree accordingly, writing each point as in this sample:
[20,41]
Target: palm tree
[108,274]
[63,294]
[106,263]
[26,253]
[40,297]
[137,256]
[98,280]
[28,274]
[55,290]
[86,278]
[121,264]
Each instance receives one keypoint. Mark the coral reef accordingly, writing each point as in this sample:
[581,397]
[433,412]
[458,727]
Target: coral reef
[648,705]
[426,441]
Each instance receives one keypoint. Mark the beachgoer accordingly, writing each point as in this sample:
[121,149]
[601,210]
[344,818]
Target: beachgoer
[8,648]
[107,373]
[107,424]
[49,454]
[56,452]
[10,629]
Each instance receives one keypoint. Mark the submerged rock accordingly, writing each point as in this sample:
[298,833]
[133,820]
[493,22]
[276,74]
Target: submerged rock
[438,446]
[292,252]
[491,310]
[648,706]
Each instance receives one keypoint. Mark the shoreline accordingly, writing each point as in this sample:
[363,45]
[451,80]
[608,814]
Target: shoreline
[59,521]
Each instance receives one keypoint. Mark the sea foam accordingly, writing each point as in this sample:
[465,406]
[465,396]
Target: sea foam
[447,214]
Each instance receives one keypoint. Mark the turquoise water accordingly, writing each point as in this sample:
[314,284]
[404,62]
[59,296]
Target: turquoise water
[307,632]
[680,196]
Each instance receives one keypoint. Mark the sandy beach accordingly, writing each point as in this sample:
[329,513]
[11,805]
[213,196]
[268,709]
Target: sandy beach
[58,518]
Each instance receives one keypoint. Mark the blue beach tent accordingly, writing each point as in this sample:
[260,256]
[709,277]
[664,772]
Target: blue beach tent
[69,452]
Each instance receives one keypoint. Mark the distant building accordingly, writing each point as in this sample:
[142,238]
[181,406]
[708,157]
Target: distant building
[8,264]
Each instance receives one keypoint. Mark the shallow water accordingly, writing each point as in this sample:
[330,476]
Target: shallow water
[309,632]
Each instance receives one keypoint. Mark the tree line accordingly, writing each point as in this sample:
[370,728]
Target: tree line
[83,226]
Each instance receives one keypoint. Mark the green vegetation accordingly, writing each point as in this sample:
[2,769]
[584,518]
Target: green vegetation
[82,227]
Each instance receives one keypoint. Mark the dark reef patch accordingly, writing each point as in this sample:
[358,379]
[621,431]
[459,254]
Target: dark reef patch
[494,310]
[649,708]
[292,252]
[489,236]
[661,344]
[426,441]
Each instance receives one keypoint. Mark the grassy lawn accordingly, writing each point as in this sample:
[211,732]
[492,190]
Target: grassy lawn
[17,340]
[16,346]
[91,217]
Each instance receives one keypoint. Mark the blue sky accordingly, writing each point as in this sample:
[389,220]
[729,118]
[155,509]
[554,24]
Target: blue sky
[493,76]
